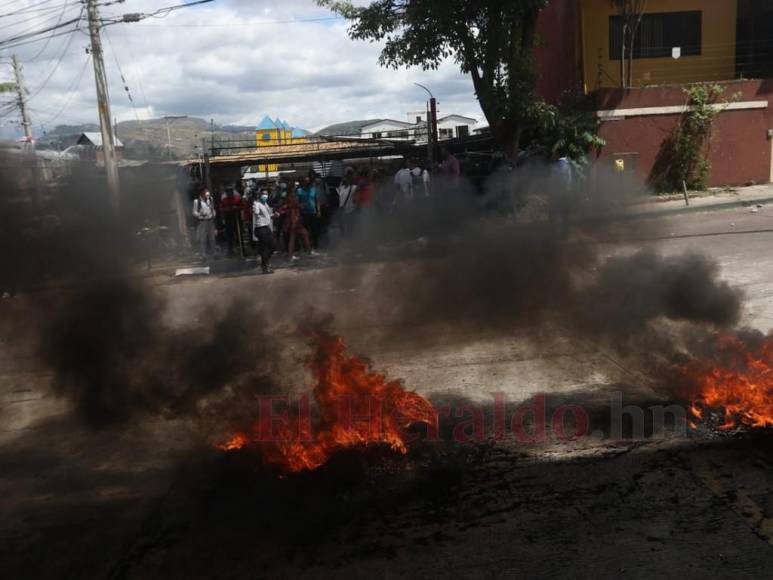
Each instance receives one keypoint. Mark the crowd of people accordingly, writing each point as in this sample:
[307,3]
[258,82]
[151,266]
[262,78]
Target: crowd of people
[297,215]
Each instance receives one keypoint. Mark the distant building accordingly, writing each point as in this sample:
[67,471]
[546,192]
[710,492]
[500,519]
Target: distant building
[455,127]
[89,147]
[274,132]
[449,127]
[350,129]
[388,129]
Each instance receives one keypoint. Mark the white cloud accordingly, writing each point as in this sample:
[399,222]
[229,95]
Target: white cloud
[231,60]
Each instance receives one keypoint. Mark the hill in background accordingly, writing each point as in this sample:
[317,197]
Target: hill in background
[149,140]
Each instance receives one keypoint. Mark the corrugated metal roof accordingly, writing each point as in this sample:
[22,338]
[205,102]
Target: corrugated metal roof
[96,139]
[309,150]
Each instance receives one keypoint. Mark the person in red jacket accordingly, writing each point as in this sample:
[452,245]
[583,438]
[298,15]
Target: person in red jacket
[365,198]
[292,224]
[230,212]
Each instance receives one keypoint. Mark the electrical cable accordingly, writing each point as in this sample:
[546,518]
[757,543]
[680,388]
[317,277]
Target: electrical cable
[250,24]
[73,89]
[56,67]
[160,13]
[123,78]
[48,41]
[28,8]
[34,40]
[50,16]
[29,35]
[138,65]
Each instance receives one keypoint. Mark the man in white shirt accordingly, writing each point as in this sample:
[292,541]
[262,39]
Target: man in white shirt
[263,230]
[404,183]
[204,212]
[347,194]
[421,179]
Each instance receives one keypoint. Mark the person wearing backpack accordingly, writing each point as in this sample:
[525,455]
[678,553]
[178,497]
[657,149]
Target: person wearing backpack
[204,213]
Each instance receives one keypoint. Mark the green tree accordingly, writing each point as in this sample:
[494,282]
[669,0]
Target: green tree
[492,40]
[570,130]
[683,158]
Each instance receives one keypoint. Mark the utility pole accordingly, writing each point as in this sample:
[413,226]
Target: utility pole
[212,136]
[103,103]
[29,146]
[431,127]
[22,94]
[169,119]
[433,130]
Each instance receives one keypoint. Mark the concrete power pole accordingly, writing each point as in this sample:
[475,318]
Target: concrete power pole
[103,103]
[22,94]
[31,158]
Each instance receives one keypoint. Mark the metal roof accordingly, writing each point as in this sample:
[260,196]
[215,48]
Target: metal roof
[266,124]
[95,139]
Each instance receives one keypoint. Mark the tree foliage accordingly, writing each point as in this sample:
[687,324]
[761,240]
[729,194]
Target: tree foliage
[492,40]
[684,157]
[570,130]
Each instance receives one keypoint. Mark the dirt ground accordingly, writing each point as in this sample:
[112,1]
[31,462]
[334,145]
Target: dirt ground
[157,501]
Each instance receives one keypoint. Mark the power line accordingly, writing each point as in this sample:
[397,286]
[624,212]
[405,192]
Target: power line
[48,41]
[28,8]
[3,5]
[71,91]
[28,35]
[138,66]
[34,40]
[50,16]
[250,24]
[160,13]
[56,66]
[123,78]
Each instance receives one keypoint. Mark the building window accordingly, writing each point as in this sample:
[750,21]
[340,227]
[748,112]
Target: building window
[266,137]
[446,133]
[658,34]
[462,131]
[377,135]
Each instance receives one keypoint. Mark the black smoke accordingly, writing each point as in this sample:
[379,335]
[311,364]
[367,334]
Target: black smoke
[448,265]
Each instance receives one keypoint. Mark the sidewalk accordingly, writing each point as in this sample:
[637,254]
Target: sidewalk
[643,207]
[713,200]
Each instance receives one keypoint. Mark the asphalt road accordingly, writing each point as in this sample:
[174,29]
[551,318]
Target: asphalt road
[154,501]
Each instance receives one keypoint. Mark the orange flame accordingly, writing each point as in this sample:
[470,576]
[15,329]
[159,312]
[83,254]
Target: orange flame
[740,388]
[357,407]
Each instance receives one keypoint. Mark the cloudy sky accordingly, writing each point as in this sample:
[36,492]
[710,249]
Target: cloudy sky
[231,60]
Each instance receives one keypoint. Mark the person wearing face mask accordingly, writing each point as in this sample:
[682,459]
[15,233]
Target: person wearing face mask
[263,230]
[204,212]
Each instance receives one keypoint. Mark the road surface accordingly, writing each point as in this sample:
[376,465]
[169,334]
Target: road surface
[155,501]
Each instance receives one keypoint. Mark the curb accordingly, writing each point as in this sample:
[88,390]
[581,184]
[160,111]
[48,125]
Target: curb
[681,210]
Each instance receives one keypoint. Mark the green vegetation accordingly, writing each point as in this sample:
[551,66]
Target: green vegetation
[570,130]
[684,156]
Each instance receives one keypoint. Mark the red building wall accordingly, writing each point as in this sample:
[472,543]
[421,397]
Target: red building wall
[558,53]
[740,149]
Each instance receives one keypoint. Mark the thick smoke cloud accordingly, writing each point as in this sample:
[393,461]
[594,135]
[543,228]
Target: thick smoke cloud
[450,266]
[474,273]
[116,360]
[630,292]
